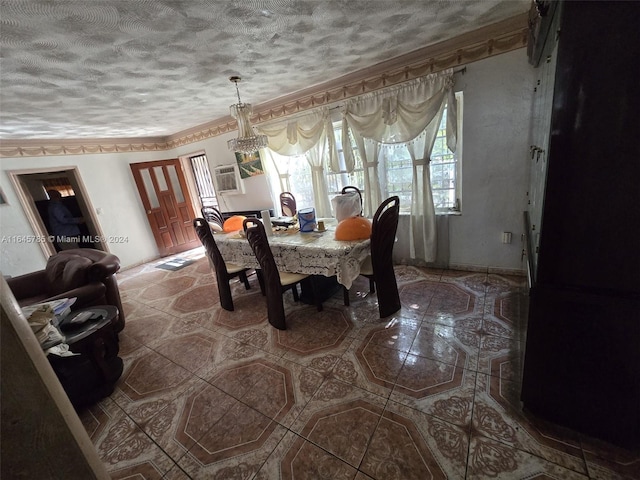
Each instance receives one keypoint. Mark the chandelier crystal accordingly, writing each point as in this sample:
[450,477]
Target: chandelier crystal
[247,141]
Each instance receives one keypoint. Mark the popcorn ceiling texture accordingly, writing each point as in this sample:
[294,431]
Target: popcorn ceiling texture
[140,68]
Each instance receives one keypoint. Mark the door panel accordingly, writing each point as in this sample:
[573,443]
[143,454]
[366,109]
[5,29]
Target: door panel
[163,191]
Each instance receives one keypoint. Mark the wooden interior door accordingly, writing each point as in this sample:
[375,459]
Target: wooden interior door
[164,194]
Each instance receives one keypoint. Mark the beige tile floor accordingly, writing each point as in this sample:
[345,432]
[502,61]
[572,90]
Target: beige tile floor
[431,392]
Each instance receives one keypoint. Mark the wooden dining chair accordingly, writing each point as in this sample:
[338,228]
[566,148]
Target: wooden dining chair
[213,215]
[272,281]
[351,188]
[224,271]
[378,267]
[288,204]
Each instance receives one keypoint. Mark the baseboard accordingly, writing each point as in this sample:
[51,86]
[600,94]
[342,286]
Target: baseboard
[484,269]
[142,262]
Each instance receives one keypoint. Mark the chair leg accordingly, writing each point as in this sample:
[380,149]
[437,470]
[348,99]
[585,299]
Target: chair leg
[245,280]
[345,294]
[224,291]
[388,296]
[260,281]
[294,291]
[275,309]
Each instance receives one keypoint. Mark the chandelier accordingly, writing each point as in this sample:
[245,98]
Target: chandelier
[247,141]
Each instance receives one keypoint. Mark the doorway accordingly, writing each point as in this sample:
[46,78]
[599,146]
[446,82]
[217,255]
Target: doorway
[31,187]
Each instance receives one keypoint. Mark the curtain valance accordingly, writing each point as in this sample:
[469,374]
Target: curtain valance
[296,136]
[400,114]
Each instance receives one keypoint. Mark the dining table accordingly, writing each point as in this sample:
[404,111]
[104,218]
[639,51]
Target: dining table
[312,253]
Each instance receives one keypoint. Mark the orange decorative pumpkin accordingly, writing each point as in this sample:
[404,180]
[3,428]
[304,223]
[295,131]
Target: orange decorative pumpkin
[353,228]
[233,224]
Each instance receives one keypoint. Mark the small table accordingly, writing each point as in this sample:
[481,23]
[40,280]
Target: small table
[92,375]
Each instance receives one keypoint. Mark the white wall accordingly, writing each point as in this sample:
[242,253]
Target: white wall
[111,188]
[497,105]
[256,189]
[497,114]
[109,182]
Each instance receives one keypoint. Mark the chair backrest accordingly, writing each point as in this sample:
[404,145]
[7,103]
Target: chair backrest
[383,236]
[351,188]
[257,238]
[384,227]
[288,204]
[212,214]
[203,230]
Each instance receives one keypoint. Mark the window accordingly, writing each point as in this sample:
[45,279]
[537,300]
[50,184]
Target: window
[396,171]
[202,175]
[295,172]
[335,181]
[445,168]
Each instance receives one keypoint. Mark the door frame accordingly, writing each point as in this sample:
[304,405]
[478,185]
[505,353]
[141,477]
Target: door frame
[185,161]
[33,216]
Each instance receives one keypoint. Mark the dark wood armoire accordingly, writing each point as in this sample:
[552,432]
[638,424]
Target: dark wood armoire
[582,358]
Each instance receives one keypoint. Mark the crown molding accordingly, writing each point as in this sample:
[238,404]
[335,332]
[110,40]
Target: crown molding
[42,148]
[495,39]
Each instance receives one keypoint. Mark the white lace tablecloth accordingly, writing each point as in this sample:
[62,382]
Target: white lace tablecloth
[316,253]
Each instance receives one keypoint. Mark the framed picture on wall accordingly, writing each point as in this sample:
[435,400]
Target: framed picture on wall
[249,164]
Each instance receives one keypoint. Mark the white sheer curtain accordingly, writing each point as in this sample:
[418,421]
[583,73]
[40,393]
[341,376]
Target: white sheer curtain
[310,135]
[278,176]
[409,114]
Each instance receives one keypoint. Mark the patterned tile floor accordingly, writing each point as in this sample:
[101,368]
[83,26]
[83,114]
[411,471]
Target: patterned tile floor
[431,392]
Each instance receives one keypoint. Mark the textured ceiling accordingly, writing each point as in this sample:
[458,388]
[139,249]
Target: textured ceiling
[140,68]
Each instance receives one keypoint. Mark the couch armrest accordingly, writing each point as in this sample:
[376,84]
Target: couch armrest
[29,285]
[104,264]
[104,268]
[87,295]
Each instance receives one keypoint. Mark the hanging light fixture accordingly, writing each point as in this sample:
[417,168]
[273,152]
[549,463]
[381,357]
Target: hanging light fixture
[247,141]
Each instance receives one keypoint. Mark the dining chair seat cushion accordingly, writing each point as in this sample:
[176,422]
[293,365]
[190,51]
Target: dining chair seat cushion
[287,278]
[366,267]
[233,268]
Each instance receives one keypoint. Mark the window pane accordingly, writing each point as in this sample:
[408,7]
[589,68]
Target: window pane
[175,184]
[148,186]
[162,183]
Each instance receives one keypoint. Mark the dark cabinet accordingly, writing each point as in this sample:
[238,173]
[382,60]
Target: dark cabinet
[582,358]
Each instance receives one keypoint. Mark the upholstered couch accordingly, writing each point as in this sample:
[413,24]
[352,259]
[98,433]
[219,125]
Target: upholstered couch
[84,273]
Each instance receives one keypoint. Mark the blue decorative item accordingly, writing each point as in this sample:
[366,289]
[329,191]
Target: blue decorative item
[307,219]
